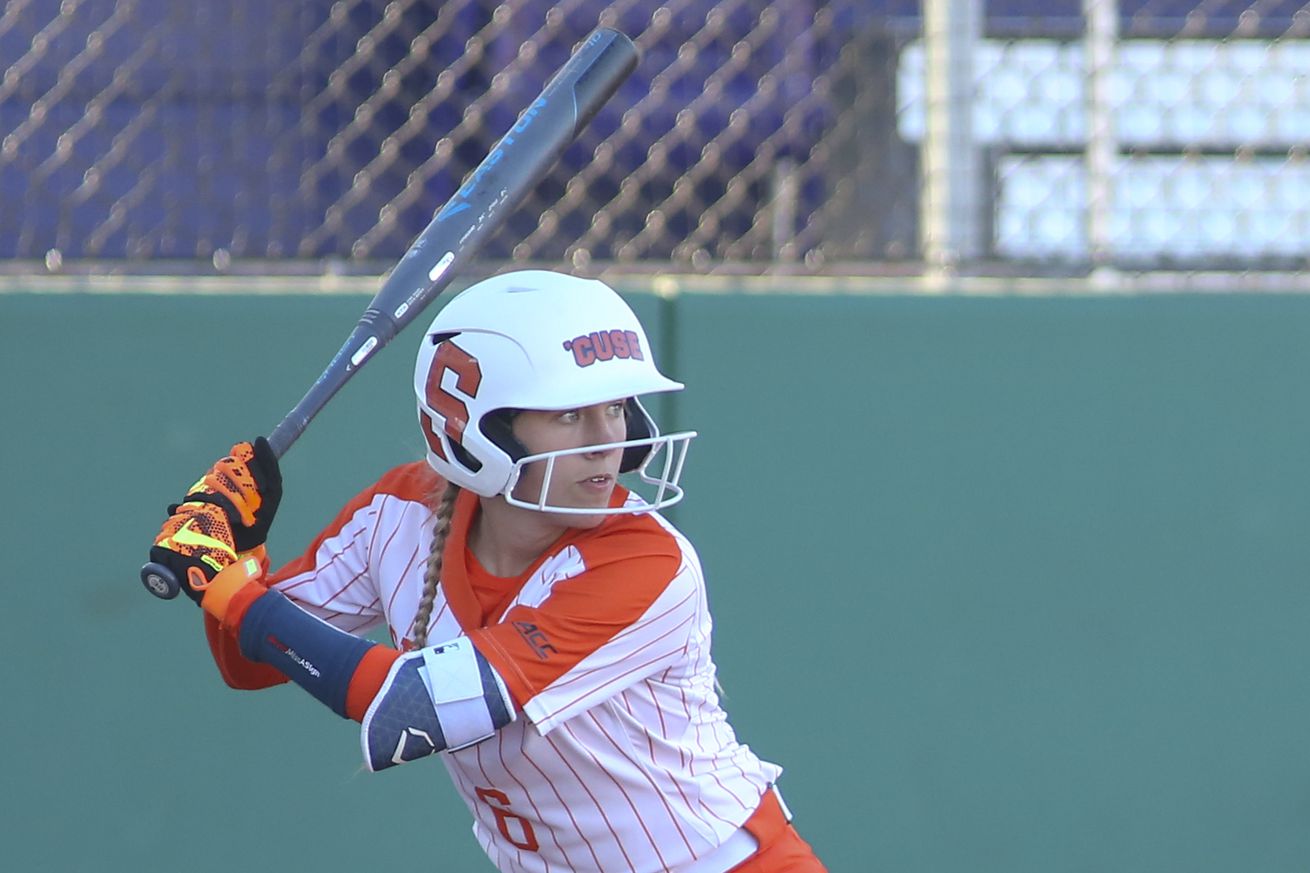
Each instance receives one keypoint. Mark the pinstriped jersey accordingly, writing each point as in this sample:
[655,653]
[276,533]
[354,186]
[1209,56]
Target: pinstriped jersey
[625,759]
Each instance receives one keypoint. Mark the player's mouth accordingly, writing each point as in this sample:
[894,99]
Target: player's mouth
[601,482]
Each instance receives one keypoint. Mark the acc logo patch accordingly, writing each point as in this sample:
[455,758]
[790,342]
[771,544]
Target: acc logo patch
[536,638]
[604,345]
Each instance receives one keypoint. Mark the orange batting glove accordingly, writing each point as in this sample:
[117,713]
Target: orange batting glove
[247,484]
[196,544]
[225,514]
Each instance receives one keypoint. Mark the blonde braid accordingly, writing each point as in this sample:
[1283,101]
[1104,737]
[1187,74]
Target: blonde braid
[440,530]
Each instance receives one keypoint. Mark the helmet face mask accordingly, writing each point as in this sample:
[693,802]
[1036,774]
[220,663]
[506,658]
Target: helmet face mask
[666,454]
[538,340]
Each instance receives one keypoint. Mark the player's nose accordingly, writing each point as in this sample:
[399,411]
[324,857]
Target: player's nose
[602,427]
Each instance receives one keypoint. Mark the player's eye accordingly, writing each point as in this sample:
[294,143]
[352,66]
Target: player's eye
[571,416]
[616,408]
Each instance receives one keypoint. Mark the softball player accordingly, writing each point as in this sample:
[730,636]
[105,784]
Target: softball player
[550,628]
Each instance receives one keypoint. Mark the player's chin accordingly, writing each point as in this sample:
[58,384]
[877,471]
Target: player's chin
[584,498]
[579,520]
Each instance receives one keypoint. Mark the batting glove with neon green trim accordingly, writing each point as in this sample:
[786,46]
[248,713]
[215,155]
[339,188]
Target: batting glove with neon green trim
[228,511]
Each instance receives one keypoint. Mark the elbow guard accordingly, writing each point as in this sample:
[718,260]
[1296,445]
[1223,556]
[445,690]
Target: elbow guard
[440,698]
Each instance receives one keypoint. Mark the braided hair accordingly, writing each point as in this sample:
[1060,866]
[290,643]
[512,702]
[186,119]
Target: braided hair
[445,508]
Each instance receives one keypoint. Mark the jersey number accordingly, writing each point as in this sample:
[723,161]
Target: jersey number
[512,826]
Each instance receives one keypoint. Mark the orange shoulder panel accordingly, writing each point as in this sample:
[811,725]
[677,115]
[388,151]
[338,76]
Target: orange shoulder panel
[630,562]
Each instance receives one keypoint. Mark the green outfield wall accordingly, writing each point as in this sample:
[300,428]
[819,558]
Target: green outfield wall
[1006,584]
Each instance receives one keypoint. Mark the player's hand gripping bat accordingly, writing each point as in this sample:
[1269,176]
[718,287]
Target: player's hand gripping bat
[512,168]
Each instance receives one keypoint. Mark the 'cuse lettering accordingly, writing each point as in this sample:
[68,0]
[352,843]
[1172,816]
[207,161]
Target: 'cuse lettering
[604,345]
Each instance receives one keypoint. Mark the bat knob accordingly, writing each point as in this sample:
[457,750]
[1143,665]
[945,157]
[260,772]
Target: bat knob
[160,581]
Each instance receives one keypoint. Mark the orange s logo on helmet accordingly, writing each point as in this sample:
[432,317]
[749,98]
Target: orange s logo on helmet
[468,378]
[604,345]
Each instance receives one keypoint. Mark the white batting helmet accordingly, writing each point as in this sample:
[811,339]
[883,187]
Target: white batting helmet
[538,340]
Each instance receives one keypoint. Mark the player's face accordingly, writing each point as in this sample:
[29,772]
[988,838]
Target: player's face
[580,480]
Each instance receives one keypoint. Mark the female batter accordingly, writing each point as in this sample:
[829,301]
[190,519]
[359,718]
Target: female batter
[552,638]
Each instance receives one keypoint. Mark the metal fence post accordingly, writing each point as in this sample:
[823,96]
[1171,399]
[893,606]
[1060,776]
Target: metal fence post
[1102,17]
[950,204]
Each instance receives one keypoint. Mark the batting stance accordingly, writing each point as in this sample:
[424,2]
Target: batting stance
[551,631]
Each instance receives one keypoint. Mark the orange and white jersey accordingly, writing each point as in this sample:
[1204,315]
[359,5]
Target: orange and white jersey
[625,760]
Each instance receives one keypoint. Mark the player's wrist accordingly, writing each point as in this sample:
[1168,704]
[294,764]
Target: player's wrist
[232,591]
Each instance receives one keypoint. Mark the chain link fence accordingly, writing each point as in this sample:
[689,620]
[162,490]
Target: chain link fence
[755,135]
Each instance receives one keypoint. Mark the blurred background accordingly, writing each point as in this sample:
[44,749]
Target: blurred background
[993,321]
[852,136]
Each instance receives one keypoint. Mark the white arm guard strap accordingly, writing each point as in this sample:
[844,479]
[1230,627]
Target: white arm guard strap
[439,698]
